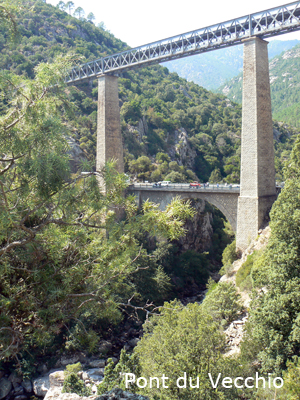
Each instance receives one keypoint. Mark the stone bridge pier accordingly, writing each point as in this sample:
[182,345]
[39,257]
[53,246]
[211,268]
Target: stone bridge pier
[109,138]
[258,188]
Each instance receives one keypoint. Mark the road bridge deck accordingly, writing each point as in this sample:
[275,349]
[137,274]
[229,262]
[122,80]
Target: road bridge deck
[185,187]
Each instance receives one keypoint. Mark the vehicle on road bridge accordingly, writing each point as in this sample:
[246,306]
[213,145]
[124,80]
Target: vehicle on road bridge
[162,184]
[195,184]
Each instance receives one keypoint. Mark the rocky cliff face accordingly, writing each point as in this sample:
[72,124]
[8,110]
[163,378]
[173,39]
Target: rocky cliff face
[182,150]
[199,230]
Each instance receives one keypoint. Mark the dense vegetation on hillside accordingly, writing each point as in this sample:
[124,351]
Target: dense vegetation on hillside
[284,79]
[172,129]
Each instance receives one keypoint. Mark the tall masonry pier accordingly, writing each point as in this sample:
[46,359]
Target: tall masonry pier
[258,190]
[109,139]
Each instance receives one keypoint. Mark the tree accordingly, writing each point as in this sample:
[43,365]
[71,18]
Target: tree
[8,11]
[79,13]
[141,167]
[70,6]
[161,157]
[183,340]
[63,250]
[223,303]
[91,17]
[215,176]
[173,165]
[175,177]
[101,25]
[61,5]
[131,111]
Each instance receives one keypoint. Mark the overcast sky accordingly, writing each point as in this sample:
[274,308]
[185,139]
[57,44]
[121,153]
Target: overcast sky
[139,22]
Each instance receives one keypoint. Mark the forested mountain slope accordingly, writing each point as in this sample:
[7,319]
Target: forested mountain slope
[173,129]
[284,80]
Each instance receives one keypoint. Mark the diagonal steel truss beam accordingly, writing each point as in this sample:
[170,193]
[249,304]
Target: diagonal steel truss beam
[271,22]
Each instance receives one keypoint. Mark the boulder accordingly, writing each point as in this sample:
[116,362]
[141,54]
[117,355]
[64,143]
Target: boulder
[69,360]
[56,394]
[133,342]
[5,387]
[27,385]
[15,378]
[119,394]
[41,386]
[56,379]
[97,363]
[104,347]
[94,374]
[18,389]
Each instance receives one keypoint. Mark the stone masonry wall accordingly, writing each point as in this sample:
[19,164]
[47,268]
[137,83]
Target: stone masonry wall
[109,139]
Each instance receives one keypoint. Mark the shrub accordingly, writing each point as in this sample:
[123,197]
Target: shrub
[243,277]
[228,257]
[113,374]
[223,303]
[183,339]
[73,368]
[73,384]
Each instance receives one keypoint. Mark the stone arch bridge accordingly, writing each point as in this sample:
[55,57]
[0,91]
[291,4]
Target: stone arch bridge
[222,197]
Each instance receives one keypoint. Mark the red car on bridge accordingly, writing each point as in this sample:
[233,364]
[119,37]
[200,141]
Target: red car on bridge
[195,185]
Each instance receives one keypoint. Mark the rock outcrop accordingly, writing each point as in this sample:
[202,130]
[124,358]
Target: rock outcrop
[234,333]
[199,230]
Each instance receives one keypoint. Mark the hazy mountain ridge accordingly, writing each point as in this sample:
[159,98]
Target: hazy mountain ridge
[211,70]
[285,82]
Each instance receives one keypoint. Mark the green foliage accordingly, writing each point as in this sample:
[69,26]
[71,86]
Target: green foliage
[73,384]
[243,274]
[275,311]
[114,374]
[183,339]
[228,257]
[215,176]
[223,303]
[73,369]
[131,111]
[291,379]
[81,339]
[66,257]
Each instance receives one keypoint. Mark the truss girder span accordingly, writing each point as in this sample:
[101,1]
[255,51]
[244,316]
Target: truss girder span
[271,22]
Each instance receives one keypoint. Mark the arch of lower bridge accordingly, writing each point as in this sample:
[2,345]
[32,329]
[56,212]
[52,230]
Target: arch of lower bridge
[226,202]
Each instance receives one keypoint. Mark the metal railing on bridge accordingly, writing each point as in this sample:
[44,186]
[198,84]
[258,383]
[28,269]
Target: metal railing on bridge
[183,187]
[271,22]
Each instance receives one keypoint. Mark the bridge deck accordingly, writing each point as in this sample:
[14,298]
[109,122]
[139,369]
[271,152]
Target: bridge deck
[271,22]
[185,187]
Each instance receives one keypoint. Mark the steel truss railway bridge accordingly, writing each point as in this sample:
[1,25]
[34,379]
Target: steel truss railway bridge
[249,208]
